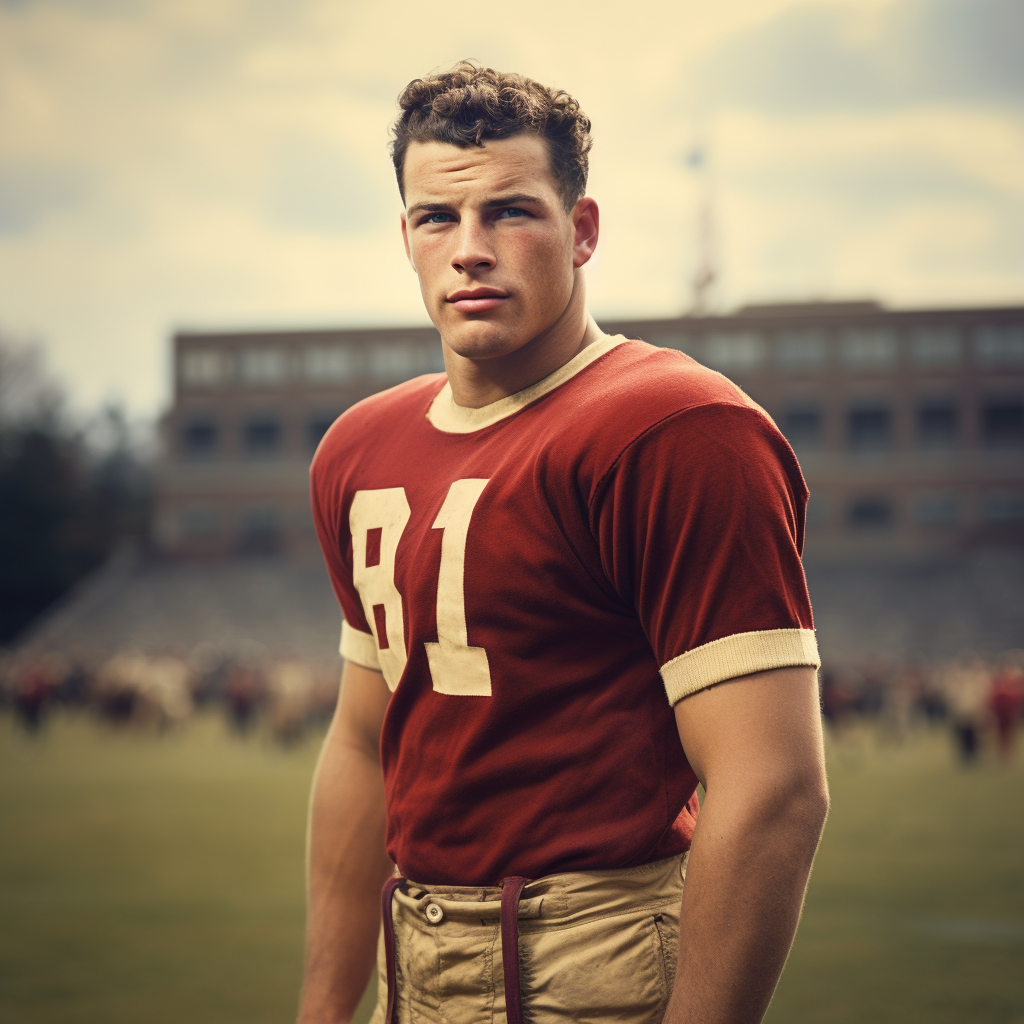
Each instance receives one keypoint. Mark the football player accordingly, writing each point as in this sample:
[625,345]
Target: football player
[569,571]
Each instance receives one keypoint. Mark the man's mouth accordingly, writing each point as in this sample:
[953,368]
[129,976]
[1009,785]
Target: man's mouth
[477,300]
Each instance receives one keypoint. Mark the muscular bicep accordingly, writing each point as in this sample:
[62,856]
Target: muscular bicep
[362,701]
[760,730]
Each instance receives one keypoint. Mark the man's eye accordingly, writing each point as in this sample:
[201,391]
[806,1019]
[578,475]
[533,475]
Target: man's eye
[438,217]
[513,211]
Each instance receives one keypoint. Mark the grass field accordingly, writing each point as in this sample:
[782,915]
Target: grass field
[159,879]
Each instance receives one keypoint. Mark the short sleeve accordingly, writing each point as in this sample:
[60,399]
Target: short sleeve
[700,526]
[357,644]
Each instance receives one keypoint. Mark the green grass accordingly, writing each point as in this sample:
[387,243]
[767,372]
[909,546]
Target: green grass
[160,879]
[916,907]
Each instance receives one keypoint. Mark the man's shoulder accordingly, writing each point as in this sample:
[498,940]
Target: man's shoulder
[365,423]
[637,386]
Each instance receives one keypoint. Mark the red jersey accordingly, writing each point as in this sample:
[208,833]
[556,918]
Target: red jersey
[540,581]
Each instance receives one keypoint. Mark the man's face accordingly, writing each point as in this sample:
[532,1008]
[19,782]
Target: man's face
[490,240]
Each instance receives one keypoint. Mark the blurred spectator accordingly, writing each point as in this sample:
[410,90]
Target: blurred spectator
[838,699]
[34,682]
[290,685]
[967,682]
[900,699]
[165,686]
[1006,700]
[243,696]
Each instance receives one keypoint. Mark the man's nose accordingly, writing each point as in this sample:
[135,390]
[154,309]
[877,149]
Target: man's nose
[473,250]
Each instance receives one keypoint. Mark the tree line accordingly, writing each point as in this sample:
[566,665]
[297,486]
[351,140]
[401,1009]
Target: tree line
[72,488]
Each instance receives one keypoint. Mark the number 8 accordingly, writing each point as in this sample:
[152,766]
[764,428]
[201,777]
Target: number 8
[377,520]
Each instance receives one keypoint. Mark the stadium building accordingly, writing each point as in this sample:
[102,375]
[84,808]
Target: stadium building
[909,424]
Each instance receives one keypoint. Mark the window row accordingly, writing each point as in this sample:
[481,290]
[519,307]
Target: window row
[937,423]
[855,349]
[263,528]
[871,512]
[272,366]
[259,434]
[256,529]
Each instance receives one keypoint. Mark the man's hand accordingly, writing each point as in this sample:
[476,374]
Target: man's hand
[756,745]
[347,864]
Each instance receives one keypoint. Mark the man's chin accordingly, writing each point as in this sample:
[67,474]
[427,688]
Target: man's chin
[480,339]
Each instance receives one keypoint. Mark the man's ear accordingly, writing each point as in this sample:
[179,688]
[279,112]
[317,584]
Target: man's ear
[587,223]
[405,242]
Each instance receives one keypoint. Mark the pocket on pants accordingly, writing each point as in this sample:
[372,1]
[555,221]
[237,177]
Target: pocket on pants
[611,970]
[667,928]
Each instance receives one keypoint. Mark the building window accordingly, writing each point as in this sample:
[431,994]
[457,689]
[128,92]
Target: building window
[868,349]
[1000,345]
[200,524]
[870,513]
[869,427]
[936,347]
[261,434]
[1002,423]
[936,510]
[203,367]
[801,423]
[800,350]
[263,366]
[199,436]
[742,351]
[259,530]
[938,424]
[316,426]
[332,363]
[400,360]
[1003,508]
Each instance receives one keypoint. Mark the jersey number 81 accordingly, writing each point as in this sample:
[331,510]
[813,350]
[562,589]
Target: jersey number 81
[377,520]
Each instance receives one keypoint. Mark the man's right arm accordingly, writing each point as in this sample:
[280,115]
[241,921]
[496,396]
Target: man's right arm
[347,865]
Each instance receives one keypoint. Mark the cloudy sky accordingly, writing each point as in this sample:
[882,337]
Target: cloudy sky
[223,163]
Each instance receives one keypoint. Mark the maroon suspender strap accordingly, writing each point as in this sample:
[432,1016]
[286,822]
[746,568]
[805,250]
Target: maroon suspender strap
[389,945]
[511,888]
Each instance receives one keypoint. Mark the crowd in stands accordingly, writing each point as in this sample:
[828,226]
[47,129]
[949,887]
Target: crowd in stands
[284,695]
[980,701]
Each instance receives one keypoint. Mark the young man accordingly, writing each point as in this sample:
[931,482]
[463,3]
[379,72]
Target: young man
[570,575]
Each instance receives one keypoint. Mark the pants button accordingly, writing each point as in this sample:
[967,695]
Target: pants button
[434,913]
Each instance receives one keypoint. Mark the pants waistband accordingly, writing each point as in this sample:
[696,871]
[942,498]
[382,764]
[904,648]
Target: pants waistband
[572,895]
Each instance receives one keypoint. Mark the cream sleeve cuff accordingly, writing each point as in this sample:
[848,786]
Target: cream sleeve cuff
[738,655]
[358,647]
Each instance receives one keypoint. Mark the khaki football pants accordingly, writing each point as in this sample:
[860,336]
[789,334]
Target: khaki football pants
[594,946]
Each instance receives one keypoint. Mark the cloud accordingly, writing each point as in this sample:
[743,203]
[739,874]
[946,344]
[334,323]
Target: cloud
[849,57]
[911,206]
[30,192]
[321,187]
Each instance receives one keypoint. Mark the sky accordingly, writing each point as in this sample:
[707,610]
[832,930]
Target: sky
[223,164]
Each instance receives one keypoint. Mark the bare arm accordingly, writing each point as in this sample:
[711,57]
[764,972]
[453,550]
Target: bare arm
[755,744]
[347,864]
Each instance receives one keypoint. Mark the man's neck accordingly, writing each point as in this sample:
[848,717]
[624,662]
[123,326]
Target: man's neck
[479,382]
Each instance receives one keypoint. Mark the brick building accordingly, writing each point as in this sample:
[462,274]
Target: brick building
[909,424]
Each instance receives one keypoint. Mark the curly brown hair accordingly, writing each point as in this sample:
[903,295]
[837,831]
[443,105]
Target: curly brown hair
[470,103]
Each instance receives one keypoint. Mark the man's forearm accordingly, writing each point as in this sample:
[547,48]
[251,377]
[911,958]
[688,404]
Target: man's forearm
[745,883]
[347,867]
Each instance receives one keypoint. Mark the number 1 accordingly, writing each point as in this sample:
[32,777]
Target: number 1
[455,667]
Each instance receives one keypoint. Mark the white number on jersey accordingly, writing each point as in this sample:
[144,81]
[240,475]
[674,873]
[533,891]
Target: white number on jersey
[377,520]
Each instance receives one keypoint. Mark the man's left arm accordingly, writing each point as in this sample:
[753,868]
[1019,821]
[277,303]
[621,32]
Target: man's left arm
[755,743]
